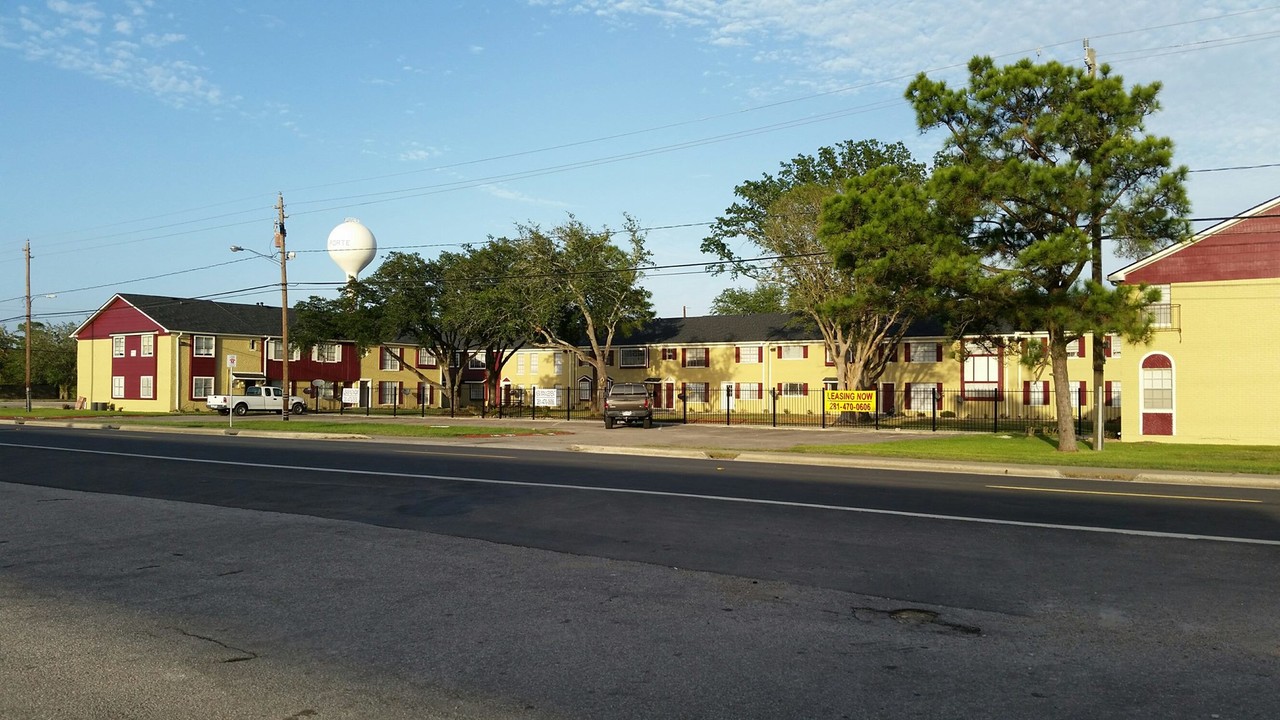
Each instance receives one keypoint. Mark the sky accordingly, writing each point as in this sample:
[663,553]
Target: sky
[144,138]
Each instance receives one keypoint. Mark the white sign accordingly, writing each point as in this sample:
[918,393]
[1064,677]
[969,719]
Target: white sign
[546,397]
[231,361]
[351,395]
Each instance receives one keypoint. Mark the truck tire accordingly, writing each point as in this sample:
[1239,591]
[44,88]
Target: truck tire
[297,409]
[608,423]
[241,409]
[224,411]
[648,422]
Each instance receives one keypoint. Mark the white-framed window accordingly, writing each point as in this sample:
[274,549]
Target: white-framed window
[1157,388]
[519,363]
[1077,386]
[202,346]
[669,354]
[1161,310]
[633,357]
[477,391]
[146,388]
[389,360]
[275,351]
[326,389]
[148,345]
[117,346]
[1113,344]
[695,392]
[117,386]
[795,389]
[924,353]
[388,392]
[1037,393]
[750,391]
[201,387]
[695,357]
[793,352]
[477,362]
[584,389]
[427,358]
[327,353]
[533,363]
[922,396]
[749,355]
[557,362]
[1113,393]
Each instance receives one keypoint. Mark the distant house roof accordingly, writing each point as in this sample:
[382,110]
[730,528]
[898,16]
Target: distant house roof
[763,327]
[188,315]
[1246,247]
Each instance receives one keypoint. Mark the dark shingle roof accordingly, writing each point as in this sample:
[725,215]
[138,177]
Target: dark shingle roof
[722,329]
[208,316]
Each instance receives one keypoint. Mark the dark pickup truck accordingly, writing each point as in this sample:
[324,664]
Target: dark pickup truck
[628,403]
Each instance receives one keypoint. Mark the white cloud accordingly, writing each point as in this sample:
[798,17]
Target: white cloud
[67,36]
[503,193]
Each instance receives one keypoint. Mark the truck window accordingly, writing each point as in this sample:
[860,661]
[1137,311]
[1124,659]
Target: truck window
[254,391]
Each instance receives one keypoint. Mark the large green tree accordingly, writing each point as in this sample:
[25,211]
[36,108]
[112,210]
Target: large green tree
[763,298]
[582,289]
[1048,160]
[778,217]
[53,356]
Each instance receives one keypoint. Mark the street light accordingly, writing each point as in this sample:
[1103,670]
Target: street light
[284,306]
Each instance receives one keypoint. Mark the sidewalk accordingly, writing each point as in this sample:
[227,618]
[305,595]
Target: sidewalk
[757,444]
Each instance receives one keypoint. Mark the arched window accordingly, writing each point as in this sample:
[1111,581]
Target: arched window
[584,389]
[1157,395]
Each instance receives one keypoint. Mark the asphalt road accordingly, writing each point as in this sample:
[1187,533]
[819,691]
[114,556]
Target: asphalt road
[163,576]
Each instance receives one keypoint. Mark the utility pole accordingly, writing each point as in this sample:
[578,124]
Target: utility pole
[284,309]
[26,251]
[1099,342]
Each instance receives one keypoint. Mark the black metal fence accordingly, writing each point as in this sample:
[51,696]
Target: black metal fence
[922,407]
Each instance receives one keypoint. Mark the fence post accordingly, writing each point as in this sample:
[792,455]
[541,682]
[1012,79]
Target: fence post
[773,392]
[824,406]
[533,404]
[684,404]
[879,406]
[728,400]
[568,405]
[995,410]
[936,400]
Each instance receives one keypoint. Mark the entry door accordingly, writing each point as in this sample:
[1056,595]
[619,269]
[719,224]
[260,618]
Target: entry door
[364,393]
[726,393]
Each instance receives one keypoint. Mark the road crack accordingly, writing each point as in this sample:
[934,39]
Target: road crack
[245,654]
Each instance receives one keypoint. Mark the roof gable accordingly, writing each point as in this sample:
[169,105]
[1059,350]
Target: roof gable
[1243,248]
[131,312]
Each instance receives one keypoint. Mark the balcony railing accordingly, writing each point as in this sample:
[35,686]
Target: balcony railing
[1165,316]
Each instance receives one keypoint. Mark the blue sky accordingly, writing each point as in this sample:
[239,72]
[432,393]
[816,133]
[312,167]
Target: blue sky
[143,138]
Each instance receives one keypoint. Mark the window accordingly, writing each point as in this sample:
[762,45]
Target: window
[1035,392]
[793,352]
[749,355]
[695,392]
[1112,392]
[633,357]
[201,387]
[147,388]
[668,353]
[275,351]
[1161,310]
[795,389]
[1077,392]
[558,362]
[925,352]
[117,346]
[201,346]
[390,360]
[1111,346]
[922,396]
[533,363]
[117,386]
[325,390]
[1157,388]
[584,390]
[327,353]
[695,357]
[426,358]
[148,345]
[750,391]
[388,392]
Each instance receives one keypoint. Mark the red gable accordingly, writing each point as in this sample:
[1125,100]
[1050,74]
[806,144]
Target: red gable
[117,317]
[1243,249]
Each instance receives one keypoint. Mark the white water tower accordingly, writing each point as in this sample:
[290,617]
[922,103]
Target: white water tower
[352,247]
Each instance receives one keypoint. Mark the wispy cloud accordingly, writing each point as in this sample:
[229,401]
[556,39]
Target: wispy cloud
[116,48]
[504,193]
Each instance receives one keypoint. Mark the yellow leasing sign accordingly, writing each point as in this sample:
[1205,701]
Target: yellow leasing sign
[850,401]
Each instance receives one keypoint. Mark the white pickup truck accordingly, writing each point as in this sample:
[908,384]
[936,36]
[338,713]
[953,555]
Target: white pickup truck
[255,399]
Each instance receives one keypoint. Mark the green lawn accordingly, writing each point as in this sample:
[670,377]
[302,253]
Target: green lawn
[1041,450]
[385,429]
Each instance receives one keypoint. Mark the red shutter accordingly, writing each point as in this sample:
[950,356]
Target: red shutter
[779,352]
[779,390]
[1106,387]
[906,396]
[1084,392]
[805,351]
[939,352]
[671,395]
[906,352]
[683,359]
[1080,347]
[760,354]
[1044,391]
[804,389]
[737,354]
[737,391]
[937,396]
[1106,346]
[1026,392]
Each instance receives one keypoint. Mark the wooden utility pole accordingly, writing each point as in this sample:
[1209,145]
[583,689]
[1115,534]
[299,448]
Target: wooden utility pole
[26,251]
[284,309]
[1099,341]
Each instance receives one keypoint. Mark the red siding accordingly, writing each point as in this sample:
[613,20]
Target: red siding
[117,318]
[1248,250]
[133,366]
[1157,423]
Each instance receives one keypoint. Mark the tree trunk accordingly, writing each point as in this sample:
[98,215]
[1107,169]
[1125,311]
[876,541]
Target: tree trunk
[1062,390]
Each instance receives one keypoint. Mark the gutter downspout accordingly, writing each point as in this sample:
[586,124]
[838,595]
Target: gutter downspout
[177,372]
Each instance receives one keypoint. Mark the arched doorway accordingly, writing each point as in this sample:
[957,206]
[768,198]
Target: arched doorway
[1157,404]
